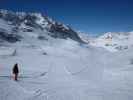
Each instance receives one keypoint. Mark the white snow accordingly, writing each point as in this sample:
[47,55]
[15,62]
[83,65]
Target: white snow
[114,41]
[68,71]
[41,20]
[4,25]
[59,69]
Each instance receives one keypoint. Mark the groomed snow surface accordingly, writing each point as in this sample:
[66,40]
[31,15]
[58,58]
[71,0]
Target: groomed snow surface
[65,70]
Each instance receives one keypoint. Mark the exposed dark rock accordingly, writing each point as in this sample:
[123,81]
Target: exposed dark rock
[42,38]
[62,32]
[9,37]
[55,29]
[44,53]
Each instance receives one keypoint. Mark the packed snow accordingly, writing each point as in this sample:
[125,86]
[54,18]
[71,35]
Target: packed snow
[68,70]
[53,68]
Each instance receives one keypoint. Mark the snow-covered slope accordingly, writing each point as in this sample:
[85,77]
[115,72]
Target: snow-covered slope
[65,71]
[114,41]
[56,67]
[86,37]
[51,71]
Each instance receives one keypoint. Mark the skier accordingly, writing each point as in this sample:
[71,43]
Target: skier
[15,71]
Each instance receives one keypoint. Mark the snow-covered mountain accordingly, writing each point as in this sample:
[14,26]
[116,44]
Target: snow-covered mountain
[55,64]
[15,26]
[114,41]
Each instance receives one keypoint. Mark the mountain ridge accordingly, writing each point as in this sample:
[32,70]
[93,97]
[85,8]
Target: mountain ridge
[29,22]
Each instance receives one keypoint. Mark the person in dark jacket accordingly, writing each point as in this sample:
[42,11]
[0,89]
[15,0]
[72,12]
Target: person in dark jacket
[15,71]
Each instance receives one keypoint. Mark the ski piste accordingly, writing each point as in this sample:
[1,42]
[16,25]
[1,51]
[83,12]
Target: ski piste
[54,66]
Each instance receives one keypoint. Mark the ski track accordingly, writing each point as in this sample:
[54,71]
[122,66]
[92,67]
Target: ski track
[66,75]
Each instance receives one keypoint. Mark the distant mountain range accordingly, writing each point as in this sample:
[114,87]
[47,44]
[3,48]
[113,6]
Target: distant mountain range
[29,27]
[114,41]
